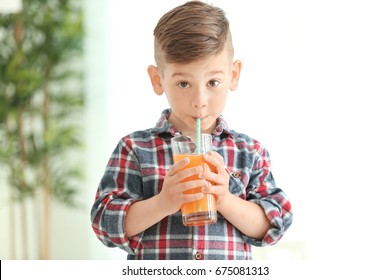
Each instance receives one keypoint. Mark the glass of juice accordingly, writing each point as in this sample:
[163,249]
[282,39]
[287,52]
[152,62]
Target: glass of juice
[202,211]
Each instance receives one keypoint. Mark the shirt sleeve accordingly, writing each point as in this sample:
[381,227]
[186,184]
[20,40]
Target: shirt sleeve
[262,190]
[120,186]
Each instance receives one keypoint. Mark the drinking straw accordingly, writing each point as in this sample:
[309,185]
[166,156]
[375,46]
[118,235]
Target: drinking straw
[198,135]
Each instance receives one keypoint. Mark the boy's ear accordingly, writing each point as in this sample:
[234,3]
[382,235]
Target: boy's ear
[236,70]
[155,79]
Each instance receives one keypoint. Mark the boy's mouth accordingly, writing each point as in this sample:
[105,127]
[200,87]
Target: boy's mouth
[201,118]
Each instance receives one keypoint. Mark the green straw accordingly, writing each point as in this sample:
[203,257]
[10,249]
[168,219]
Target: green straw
[198,134]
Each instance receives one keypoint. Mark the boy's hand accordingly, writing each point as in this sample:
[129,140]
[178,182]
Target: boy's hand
[220,179]
[172,194]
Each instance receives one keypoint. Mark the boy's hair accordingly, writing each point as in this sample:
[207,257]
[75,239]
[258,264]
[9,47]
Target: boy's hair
[191,32]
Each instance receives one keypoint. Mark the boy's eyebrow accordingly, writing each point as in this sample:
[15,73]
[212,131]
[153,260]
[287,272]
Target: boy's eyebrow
[180,74]
[211,73]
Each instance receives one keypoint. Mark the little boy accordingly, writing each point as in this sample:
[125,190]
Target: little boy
[139,197]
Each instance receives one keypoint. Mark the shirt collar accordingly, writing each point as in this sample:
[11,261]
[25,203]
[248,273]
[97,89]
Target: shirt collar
[164,126]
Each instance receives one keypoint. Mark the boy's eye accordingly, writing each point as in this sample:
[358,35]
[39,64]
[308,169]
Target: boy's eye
[214,83]
[183,85]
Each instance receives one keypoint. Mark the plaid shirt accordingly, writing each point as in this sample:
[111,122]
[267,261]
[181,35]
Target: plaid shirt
[136,171]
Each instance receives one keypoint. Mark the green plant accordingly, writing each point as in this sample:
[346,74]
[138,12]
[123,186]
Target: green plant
[41,104]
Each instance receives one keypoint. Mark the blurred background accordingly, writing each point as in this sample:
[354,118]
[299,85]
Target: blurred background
[313,90]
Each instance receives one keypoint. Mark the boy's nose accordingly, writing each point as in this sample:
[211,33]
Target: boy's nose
[200,99]
[200,105]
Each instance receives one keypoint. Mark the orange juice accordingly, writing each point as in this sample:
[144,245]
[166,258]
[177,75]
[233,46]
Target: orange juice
[202,211]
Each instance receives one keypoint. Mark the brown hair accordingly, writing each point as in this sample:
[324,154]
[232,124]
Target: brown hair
[191,32]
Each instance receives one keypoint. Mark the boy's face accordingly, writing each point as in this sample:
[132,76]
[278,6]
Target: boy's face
[196,90]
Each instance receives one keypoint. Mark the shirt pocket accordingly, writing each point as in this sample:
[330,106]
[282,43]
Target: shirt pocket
[237,185]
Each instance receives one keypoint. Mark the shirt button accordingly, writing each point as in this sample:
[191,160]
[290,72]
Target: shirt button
[198,256]
[236,175]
